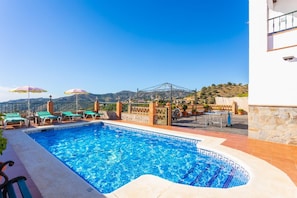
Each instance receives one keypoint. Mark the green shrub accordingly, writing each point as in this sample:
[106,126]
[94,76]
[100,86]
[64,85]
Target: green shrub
[3,140]
[243,95]
[185,107]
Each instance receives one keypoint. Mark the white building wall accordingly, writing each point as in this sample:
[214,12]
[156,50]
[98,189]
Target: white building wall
[272,81]
[281,40]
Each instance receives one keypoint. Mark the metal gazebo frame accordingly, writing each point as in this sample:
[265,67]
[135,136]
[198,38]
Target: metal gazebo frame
[168,90]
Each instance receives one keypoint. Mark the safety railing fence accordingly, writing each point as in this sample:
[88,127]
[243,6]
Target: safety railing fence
[136,111]
[283,22]
[162,115]
[136,108]
[22,108]
[140,108]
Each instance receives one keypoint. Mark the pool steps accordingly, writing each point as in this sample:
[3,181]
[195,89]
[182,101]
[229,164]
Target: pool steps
[188,177]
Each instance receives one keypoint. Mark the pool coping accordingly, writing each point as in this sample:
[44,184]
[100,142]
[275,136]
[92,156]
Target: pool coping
[52,177]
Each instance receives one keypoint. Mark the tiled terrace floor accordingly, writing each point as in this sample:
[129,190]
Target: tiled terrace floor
[18,169]
[281,156]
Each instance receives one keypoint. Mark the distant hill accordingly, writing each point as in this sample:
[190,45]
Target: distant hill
[205,95]
[208,94]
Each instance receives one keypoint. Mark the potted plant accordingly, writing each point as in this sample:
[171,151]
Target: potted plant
[194,111]
[240,111]
[185,113]
[206,107]
[3,140]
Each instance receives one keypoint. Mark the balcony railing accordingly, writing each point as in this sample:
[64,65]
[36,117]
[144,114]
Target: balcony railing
[282,23]
[22,108]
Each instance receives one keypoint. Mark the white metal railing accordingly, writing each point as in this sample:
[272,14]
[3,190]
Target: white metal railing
[58,106]
[282,23]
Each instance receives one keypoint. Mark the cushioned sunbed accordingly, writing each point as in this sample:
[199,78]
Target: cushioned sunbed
[45,115]
[13,118]
[70,115]
[88,113]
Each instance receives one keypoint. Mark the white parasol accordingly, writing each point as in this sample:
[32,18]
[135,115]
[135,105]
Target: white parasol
[76,92]
[28,89]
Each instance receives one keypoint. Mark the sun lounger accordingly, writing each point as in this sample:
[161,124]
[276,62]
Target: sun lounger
[13,118]
[89,113]
[70,115]
[8,186]
[45,115]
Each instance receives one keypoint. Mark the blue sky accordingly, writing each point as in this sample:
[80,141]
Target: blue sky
[106,46]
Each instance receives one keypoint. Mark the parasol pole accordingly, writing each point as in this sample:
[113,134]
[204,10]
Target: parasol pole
[28,103]
[76,103]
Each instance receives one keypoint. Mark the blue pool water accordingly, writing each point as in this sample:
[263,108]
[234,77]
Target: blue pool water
[109,156]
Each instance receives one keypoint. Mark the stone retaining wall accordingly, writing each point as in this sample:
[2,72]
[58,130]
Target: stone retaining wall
[242,102]
[135,118]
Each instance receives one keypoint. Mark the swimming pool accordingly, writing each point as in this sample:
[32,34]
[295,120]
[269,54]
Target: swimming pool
[109,156]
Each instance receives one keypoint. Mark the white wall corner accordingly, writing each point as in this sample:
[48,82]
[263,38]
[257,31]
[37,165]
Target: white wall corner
[270,4]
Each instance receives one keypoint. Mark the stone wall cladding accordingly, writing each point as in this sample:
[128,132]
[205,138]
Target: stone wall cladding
[274,124]
[135,118]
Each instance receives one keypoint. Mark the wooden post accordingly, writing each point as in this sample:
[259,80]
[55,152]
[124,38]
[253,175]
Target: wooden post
[169,113]
[50,106]
[234,107]
[129,108]
[96,106]
[119,109]
[152,113]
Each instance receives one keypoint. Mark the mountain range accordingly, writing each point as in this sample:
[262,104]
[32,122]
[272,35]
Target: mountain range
[205,95]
